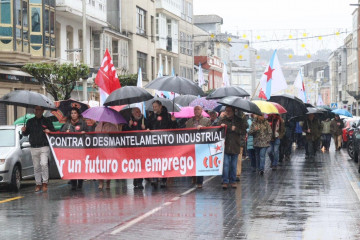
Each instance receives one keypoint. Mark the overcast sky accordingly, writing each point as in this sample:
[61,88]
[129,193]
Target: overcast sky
[276,19]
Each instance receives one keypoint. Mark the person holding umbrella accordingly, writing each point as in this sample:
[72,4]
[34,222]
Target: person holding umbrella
[312,127]
[37,128]
[234,130]
[336,127]
[161,119]
[278,130]
[75,123]
[107,127]
[137,122]
[261,131]
[198,121]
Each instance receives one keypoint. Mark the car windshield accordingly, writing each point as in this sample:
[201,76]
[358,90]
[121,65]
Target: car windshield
[7,138]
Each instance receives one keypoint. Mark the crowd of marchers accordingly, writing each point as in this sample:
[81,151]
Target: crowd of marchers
[251,136]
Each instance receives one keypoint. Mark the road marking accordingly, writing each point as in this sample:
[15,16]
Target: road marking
[151,212]
[356,188]
[11,199]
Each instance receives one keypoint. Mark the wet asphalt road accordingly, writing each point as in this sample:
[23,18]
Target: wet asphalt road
[303,199]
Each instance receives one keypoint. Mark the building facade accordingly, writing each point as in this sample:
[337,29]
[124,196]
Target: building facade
[27,34]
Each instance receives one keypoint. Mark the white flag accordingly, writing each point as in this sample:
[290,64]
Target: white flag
[225,76]
[273,80]
[299,84]
[141,106]
[201,76]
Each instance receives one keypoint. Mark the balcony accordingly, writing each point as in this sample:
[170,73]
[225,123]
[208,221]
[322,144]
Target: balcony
[72,10]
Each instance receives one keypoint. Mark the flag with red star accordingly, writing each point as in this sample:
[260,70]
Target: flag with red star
[216,148]
[273,80]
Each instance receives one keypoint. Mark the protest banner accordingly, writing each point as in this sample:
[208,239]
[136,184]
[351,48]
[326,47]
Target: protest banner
[139,154]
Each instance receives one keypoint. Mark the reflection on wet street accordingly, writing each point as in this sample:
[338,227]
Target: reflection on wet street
[303,199]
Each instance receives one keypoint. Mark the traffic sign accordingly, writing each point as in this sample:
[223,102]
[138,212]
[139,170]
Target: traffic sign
[334,105]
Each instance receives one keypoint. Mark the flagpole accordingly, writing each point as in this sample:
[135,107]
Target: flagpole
[255,91]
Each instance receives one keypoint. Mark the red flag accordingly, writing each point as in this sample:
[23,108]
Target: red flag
[262,94]
[106,77]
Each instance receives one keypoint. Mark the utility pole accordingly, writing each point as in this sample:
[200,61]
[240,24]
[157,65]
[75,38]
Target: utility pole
[84,47]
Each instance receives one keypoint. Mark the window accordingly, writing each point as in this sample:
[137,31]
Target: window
[152,29]
[46,21]
[183,9]
[168,22]
[141,60]
[97,57]
[141,21]
[189,12]
[115,53]
[124,55]
[52,22]
[35,19]
[5,12]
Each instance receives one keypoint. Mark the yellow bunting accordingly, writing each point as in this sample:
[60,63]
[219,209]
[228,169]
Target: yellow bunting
[337,33]
[240,57]
[290,36]
[246,46]
[308,55]
[320,37]
[290,56]
[258,57]
[244,36]
[303,45]
[258,37]
[212,35]
[229,39]
[304,34]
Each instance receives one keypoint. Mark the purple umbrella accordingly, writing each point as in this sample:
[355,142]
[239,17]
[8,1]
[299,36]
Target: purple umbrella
[204,103]
[104,114]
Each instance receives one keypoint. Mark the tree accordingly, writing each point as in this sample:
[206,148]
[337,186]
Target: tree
[128,80]
[59,79]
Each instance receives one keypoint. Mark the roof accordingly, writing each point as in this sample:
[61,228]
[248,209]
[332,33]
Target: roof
[202,19]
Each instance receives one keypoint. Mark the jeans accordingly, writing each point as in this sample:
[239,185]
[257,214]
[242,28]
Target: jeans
[311,148]
[229,168]
[273,152]
[326,139]
[40,158]
[260,153]
[251,153]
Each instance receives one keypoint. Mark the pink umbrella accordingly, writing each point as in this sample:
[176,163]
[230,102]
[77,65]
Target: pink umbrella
[188,112]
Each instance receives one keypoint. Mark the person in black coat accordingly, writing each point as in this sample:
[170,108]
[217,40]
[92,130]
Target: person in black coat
[75,123]
[37,128]
[137,122]
[161,119]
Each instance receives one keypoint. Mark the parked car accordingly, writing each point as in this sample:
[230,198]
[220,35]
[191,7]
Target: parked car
[348,123]
[350,142]
[15,158]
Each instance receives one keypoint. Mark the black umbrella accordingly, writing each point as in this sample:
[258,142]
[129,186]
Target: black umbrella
[309,105]
[64,107]
[175,84]
[28,99]
[319,113]
[169,104]
[228,91]
[127,95]
[293,105]
[242,104]
[185,100]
